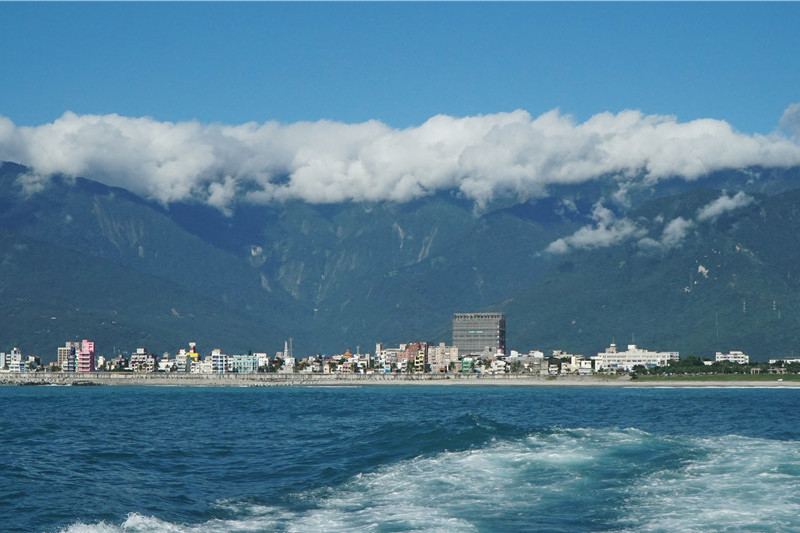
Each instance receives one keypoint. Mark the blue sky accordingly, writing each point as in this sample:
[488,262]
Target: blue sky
[333,102]
[399,63]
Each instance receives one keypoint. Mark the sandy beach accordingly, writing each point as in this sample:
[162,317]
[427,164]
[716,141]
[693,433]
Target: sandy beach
[339,380]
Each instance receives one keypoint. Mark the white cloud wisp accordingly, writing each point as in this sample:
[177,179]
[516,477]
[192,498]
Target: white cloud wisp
[722,205]
[607,231]
[328,162]
[610,230]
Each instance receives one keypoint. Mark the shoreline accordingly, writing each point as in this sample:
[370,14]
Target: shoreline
[350,380]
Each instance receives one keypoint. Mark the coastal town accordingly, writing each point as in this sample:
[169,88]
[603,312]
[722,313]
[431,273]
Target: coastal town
[478,348]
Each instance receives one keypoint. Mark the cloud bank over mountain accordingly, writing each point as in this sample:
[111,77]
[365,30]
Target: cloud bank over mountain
[327,162]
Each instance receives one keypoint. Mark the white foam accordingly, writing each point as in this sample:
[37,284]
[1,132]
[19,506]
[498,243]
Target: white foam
[734,483]
[620,479]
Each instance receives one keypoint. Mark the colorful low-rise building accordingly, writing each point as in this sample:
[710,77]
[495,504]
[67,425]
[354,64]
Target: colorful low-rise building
[86,360]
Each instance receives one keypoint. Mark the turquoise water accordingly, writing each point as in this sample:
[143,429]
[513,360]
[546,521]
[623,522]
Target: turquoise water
[384,459]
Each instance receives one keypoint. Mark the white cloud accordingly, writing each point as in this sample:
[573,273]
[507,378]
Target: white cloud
[723,204]
[675,231]
[31,184]
[481,156]
[790,120]
[607,231]
[672,235]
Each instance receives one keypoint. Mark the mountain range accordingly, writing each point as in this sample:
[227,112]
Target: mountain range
[695,266]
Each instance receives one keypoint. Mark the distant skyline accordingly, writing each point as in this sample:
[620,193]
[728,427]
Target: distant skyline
[333,102]
[399,63]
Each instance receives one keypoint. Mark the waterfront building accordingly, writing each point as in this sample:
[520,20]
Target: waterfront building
[386,358]
[183,361]
[482,334]
[734,357]
[2,361]
[15,361]
[315,364]
[141,361]
[194,357]
[188,360]
[67,356]
[467,365]
[613,359]
[117,363]
[263,360]
[440,357]
[577,364]
[86,357]
[244,363]
[219,361]
[360,363]
[415,355]
[533,362]
[784,361]
[419,362]
[498,366]
[203,367]
[165,364]
[288,366]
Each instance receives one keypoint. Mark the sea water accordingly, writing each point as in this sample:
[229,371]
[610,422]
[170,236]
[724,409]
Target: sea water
[396,458]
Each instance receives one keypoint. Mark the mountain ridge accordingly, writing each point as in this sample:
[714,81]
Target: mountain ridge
[338,276]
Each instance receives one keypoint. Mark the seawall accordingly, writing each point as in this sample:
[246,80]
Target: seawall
[334,380]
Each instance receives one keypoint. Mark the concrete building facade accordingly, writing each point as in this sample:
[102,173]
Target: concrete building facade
[67,356]
[481,334]
[440,357]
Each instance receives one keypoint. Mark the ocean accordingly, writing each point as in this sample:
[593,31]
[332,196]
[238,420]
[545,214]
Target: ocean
[398,458]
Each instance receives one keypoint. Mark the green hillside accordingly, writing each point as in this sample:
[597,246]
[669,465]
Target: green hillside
[49,295]
[81,259]
[732,283]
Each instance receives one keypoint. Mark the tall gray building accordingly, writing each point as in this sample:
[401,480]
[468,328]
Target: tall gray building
[479,333]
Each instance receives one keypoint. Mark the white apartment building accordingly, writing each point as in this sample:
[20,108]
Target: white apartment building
[498,366]
[262,358]
[288,366]
[219,361]
[15,361]
[387,357]
[784,361]
[613,359]
[165,364]
[733,356]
